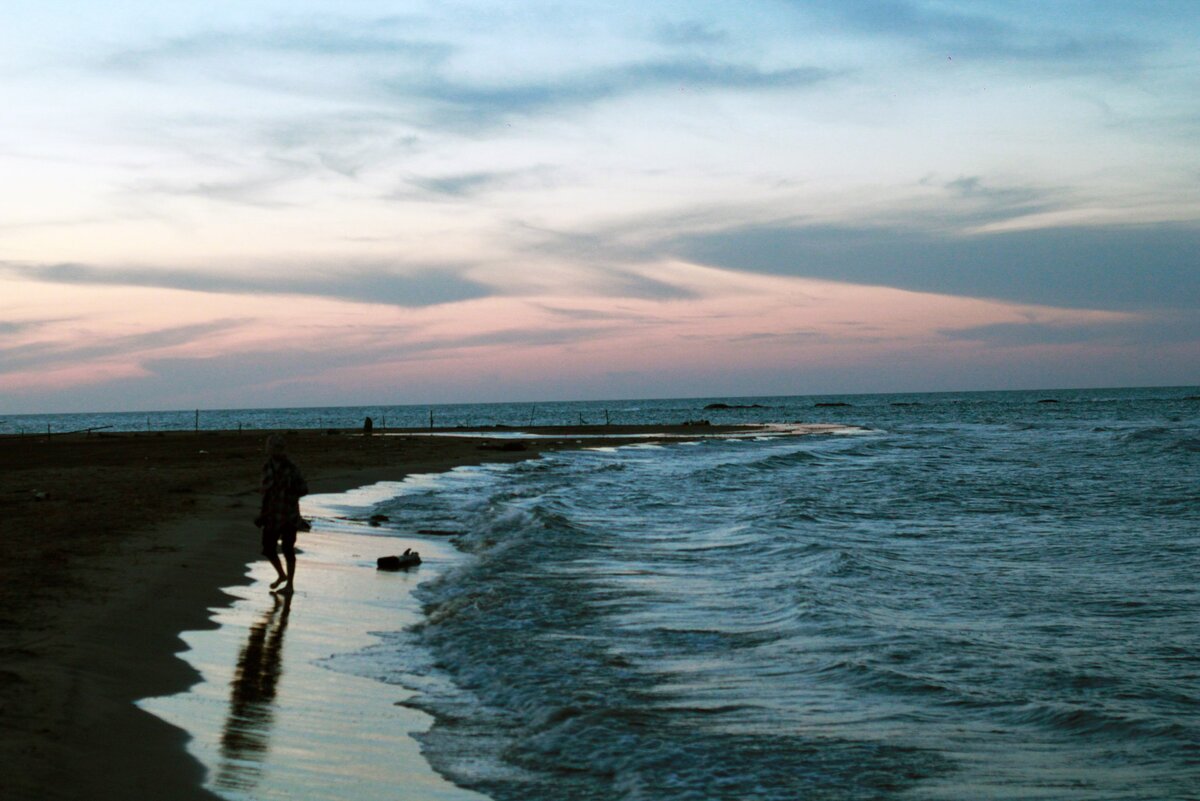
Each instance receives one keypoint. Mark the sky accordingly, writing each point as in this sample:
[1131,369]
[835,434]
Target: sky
[260,203]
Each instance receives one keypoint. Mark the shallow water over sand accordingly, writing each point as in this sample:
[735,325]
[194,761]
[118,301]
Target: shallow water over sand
[269,722]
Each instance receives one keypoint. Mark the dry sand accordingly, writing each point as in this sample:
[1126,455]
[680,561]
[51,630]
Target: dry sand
[114,545]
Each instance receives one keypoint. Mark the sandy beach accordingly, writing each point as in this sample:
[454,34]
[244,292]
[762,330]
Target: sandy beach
[115,544]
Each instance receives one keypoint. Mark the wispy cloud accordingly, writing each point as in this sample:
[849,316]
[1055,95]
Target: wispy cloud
[997,32]
[12,327]
[408,71]
[801,336]
[470,184]
[620,315]
[976,202]
[690,33]
[294,375]
[409,285]
[261,191]
[973,186]
[1181,327]
[904,18]
[523,337]
[50,353]
[319,39]
[458,103]
[1121,268]
[635,284]
[461,185]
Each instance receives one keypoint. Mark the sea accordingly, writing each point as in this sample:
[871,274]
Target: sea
[978,595]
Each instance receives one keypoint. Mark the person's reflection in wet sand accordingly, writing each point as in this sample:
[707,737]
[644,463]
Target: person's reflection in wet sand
[245,739]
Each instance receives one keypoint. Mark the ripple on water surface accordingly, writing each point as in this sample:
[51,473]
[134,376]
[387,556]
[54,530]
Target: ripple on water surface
[999,607]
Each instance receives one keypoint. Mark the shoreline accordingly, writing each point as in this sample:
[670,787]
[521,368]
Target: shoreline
[281,710]
[115,546]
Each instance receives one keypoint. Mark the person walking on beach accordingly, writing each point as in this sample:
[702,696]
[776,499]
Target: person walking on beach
[282,486]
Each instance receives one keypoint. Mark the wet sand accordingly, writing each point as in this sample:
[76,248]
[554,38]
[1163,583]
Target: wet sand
[272,719]
[114,545]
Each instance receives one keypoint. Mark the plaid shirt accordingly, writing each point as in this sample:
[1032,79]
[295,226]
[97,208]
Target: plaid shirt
[282,486]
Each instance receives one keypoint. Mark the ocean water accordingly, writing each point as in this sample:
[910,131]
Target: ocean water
[881,410]
[969,596]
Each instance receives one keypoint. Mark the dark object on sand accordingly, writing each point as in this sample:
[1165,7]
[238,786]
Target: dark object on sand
[438,532]
[716,406]
[375,520]
[696,423]
[368,425]
[409,558]
[506,446]
[829,405]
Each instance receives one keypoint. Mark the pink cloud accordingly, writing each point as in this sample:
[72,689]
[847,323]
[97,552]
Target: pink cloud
[492,348]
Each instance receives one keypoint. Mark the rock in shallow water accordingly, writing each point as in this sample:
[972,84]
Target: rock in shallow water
[409,558]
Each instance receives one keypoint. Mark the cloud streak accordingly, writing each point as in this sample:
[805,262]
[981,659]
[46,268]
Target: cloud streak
[415,286]
[1181,328]
[312,39]
[1118,268]
[463,105]
[49,354]
[420,72]
[1002,32]
[455,186]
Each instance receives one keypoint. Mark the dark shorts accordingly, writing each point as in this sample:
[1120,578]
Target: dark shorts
[284,536]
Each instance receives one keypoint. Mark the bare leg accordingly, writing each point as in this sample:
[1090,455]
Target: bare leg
[290,557]
[274,558]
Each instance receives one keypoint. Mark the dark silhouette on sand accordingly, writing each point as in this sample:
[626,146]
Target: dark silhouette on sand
[282,487]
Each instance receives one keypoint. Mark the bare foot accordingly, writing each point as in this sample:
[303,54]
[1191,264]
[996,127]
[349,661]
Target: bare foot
[275,584]
[287,589]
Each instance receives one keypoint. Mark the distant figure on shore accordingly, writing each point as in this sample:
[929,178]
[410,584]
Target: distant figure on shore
[282,486]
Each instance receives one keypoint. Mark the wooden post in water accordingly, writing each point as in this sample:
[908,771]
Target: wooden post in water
[431,419]
[197,421]
[607,422]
